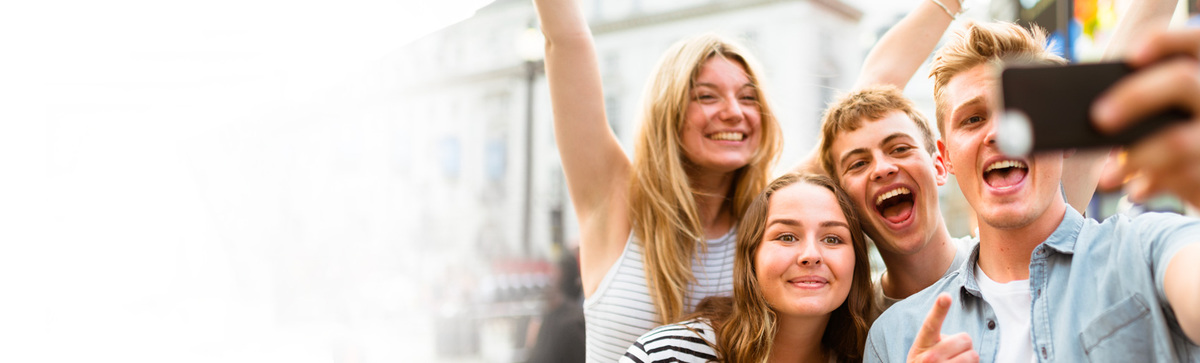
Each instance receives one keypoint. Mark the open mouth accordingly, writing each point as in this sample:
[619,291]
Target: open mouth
[727,136]
[1005,174]
[895,205]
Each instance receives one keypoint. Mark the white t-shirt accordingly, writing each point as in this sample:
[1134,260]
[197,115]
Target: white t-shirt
[1012,303]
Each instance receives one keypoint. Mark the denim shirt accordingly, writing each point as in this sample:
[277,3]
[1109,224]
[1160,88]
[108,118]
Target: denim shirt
[1097,296]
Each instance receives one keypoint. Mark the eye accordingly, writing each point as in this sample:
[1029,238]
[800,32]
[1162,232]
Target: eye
[786,237]
[857,164]
[749,98]
[833,240]
[972,120]
[704,97]
[901,149]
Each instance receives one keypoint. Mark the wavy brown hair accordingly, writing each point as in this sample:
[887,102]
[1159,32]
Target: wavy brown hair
[663,206]
[745,324]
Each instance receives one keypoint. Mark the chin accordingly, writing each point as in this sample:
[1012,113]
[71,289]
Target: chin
[729,166]
[1008,219]
[810,309]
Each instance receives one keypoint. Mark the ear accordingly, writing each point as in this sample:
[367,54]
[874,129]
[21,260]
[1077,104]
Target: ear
[940,167]
[943,159]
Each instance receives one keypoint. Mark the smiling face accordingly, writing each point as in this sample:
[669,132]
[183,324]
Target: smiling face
[890,174]
[805,263]
[1005,192]
[722,123]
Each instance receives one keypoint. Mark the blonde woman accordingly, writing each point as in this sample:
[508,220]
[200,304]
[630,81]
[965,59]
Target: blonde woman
[657,232]
[802,289]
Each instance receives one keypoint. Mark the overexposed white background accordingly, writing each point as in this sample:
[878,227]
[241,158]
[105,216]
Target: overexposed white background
[148,207]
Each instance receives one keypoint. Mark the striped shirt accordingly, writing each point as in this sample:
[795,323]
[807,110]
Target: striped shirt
[621,309]
[689,341]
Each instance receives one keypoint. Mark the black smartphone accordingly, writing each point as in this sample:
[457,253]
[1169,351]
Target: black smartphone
[1049,108]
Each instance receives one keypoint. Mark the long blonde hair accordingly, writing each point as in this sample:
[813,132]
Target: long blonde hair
[662,202]
[745,324]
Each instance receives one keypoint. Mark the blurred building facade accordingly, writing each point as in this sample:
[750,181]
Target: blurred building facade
[472,80]
[475,92]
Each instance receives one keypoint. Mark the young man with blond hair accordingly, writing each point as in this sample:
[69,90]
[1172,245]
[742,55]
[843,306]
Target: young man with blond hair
[1044,284]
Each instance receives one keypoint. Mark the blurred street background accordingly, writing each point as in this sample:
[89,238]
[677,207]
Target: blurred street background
[354,181]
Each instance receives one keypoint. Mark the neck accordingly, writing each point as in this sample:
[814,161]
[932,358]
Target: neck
[799,340]
[1004,253]
[908,274]
[711,191]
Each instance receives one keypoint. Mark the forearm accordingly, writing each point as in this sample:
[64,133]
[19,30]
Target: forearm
[562,21]
[1182,285]
[897,55]
[593,162]
[1139,18]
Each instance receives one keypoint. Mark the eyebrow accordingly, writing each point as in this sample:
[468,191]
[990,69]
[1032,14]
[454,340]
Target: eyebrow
[713,85]
[835,224]
[970,102]
[789,222]
[863,150]
[793,222]
[893,137]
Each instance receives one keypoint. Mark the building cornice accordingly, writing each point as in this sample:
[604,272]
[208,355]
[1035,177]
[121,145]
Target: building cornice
[836,6]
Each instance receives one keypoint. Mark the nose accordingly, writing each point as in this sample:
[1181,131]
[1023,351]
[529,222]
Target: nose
[810,255]
[883,168]
[731,111]
[991,131]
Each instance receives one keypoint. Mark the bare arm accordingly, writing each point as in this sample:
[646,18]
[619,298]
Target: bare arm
[897,55]
[1081,172]
[1182,285]
[596,168]
[1140,18]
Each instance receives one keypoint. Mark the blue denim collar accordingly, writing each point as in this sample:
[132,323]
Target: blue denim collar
[1062,240]
[1064,237]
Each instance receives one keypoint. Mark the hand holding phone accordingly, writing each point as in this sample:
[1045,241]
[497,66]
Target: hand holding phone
[1168,76]
[1049,108]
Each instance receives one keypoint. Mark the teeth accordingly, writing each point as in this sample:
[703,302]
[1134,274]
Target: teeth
[728,136]
[1005,164]
[892,193]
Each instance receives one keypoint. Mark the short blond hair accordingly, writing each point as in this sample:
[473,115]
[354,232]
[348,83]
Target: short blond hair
[983,43]
[848,113]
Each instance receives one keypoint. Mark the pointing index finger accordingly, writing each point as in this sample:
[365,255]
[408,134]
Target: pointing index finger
[931,329]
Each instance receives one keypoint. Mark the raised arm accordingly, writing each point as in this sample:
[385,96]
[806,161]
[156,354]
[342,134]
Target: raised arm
[596,168]
[1081,171]
[897,55]
[1139,19]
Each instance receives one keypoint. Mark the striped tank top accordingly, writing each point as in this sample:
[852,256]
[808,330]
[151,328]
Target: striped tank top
[620,310]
